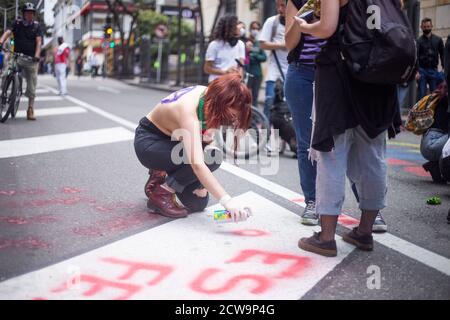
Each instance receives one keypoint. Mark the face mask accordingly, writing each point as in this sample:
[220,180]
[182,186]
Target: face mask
[255,33]
[233,41]
[242,32]
[427,31]
[283,20]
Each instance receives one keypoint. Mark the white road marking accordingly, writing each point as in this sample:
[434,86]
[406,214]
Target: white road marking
[65,141]
[404,247]
[187,250]
[108,115]
[52,111]
[108,89]
[39,91]
[45,98]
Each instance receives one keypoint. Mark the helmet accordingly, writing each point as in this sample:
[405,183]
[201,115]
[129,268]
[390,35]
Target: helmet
[28,6]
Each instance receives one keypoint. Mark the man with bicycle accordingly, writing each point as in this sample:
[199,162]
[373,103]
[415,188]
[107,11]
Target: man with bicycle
[28,41]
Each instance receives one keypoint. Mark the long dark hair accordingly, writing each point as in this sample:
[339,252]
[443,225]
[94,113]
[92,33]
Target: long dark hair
[226,28]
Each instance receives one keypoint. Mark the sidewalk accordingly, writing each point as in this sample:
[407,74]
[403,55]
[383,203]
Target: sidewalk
[172,88]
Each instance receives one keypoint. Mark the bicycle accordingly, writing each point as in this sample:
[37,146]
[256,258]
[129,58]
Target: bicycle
[255,138]
[12,87]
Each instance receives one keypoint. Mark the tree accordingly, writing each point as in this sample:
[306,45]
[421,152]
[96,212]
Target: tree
[11,15]
[119,8]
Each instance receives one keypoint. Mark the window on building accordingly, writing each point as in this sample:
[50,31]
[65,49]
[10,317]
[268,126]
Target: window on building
[230,6]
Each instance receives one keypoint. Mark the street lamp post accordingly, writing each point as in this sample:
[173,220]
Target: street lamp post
[5,10]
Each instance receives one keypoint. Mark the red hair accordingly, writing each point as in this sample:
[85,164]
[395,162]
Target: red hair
[225,94]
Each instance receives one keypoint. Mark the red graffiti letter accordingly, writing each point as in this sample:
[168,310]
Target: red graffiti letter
[133,267]
[299,264]
[263,283]
[98,284]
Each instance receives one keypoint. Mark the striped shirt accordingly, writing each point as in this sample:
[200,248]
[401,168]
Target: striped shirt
[311,47]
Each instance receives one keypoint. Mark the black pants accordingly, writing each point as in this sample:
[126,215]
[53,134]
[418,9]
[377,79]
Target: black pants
[154,150]
[254,84]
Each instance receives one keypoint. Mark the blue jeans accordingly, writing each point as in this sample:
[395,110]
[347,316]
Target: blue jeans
[428,77]
[299,96]
[270,96]
[432,143]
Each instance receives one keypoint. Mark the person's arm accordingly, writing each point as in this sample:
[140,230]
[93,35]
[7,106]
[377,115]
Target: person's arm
[210,69]
[259,56]
[327,25]
[37,53]
[265,38]
[293,34]
[5,36]
[190,133]
[441,53]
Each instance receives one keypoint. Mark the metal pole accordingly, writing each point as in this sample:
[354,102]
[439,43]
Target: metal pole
[17,8]
[4,20]
[158,74]
[180,3]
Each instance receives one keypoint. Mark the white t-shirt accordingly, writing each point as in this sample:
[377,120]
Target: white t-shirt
[224,55]
[266,36]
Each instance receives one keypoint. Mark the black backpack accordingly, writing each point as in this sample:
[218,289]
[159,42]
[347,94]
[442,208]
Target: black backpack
[378,54]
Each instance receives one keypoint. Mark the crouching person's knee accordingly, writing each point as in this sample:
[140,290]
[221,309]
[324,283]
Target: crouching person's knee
[213,157]
[194,198]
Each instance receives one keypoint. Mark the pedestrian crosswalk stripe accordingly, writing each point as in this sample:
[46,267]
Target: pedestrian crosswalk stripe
[103,113]
[52,111]
[192,258]
[65,141]
[38,91]
[45,98]
[404,247]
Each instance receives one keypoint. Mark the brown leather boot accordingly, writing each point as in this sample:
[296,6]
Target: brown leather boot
[163,201]
[156,177]
[30,114]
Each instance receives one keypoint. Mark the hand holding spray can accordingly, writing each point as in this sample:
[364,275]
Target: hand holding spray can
[224,216]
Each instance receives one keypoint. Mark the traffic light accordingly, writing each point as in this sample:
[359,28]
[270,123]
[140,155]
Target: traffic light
[112,44]
[108,31]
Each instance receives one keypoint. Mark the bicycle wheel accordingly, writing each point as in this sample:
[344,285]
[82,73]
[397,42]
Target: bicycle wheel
[18,80]
[251,142]
[8,98]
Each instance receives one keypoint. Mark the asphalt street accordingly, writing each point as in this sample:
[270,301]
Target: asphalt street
[71,192]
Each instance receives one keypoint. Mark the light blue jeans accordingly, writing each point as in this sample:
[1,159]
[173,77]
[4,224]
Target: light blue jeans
[363,160]
[432,143]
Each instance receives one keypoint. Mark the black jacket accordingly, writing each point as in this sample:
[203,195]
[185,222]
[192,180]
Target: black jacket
[429,50]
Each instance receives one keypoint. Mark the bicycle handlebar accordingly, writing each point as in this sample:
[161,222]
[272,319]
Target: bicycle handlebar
[19,54]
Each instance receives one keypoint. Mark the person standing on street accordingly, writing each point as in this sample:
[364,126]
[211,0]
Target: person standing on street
[94,63]
[272,38]
[429,49]
[349,135]
[226,47]
[256,56]
[61,61]
[27,40]
[79,66]
[299,95]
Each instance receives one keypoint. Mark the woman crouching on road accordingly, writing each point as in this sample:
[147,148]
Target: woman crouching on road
[180,180]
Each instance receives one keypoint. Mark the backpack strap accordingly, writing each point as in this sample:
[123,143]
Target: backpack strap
[200,113]
[275,25]
[276,22]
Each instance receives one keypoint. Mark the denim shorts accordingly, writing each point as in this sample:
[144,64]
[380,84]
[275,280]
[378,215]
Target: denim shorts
[363,161]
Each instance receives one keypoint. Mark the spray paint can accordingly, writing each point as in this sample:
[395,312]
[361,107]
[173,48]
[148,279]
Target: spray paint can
[224,216]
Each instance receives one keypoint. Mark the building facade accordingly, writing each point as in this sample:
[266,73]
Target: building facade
[439,12]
